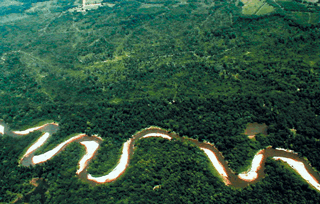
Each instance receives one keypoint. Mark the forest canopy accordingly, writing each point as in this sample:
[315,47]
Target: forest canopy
[203,69]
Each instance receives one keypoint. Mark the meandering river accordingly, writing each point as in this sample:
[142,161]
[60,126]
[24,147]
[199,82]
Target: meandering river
[92,144]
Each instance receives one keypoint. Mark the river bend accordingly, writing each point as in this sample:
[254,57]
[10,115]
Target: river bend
[92,144]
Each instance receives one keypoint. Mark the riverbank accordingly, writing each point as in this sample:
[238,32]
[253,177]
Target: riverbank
[92,144]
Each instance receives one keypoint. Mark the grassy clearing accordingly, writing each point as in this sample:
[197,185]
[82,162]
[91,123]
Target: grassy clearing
[252,6]
[265,9]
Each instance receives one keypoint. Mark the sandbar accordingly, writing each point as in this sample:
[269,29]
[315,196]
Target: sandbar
[27,131]
[1,129]
[301,169]
[91,148]
[118,170]
[157,135]
[217,165]
[37,144]
[92,145]
[49,154]
[286,150]
[255,165]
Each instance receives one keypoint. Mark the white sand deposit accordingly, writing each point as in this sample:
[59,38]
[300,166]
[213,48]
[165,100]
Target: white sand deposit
[118,170]
[27,131]
[252,173]
[250,176]
[49,154]
[91,148]
[217,165]
[286,150]
[1,129]
[37,144]
[157,135]
[301,169]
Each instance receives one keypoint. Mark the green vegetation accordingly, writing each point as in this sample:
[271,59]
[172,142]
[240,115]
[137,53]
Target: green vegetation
[201,69]
[265,9]
[293,6]
[253,6]
[109,156]
[35,138]
[35,124]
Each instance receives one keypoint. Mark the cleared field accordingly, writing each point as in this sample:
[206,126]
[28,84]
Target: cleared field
[265,9]
[93,1]
[256,7]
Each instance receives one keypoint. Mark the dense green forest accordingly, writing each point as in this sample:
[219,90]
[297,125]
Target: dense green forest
[200,68]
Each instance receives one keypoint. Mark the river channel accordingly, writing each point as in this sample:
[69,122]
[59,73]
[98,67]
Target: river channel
[253,175]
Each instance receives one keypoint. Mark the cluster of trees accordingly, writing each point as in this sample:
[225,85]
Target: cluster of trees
[160,171]
[203,72]
[15,179]
[23,5]
[20,7]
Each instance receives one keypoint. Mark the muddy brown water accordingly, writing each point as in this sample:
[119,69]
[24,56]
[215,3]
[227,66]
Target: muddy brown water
[232,179]
[50,128]
[256,128]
